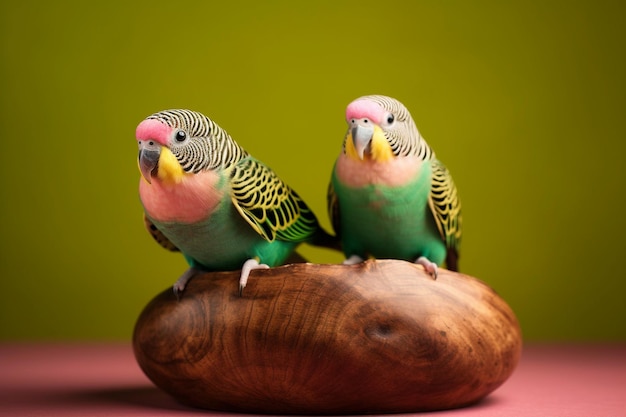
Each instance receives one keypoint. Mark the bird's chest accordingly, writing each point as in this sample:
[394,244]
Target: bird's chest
[189,201]
[220,241]
[386,219]
[383,205]
[213,230]
[369,191]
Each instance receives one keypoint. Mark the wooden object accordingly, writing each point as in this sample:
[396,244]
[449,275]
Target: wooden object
[377,337]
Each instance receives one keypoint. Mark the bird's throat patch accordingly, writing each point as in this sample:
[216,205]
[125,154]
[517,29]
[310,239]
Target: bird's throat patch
[169,170]
[380,148]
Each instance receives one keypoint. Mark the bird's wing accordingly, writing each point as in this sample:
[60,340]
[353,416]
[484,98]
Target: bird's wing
[333,208]
[446,209]
[273,209]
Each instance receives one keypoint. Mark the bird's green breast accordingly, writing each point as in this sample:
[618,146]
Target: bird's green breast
[389,221]
[224,241]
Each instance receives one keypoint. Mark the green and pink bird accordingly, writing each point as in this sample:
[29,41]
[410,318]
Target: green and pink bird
[205,196]
[389,196]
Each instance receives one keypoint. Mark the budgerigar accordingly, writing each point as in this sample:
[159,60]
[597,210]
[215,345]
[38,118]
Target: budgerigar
[205,196]
[389,196]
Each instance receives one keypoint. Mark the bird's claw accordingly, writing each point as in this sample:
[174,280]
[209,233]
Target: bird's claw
[248,266]
[353,260]
[430,267]
[178,291]
[181,283]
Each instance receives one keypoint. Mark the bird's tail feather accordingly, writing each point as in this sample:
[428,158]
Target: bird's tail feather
[326,240]
[452,260]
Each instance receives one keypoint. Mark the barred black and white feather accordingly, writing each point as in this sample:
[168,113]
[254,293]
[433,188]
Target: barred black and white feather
[208,145]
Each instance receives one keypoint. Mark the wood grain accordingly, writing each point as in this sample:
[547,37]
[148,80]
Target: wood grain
[377,337]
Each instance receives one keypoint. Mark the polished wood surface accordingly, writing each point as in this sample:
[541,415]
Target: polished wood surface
[381,336]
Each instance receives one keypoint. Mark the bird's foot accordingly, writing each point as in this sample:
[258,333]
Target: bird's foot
[353,260]
[181,283]
[429,266]
[248,266]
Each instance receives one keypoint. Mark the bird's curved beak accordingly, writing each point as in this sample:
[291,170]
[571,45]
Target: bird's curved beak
[149,154]
[362,139]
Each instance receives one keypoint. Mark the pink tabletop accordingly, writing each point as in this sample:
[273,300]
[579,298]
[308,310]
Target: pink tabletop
[104,380]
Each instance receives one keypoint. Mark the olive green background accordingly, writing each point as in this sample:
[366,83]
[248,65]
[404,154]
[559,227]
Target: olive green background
[523,101]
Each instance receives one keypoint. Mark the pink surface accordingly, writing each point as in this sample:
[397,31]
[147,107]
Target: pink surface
[104,380]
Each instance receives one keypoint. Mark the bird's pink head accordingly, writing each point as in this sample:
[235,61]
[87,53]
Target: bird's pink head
[153,129]
[365,108]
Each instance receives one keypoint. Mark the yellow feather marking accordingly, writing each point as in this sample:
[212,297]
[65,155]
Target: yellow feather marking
[380,151]
[170,170]
[350,149]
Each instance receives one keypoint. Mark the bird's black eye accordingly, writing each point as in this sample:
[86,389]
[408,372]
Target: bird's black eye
[390,118]
[180,136]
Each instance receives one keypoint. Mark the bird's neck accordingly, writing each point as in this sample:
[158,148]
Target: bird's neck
[395,172]
[188,201]
[224,151]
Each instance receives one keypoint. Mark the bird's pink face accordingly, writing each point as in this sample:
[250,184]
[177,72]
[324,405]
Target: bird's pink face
[365,139]
[155,158]
[168,192]
[152,135]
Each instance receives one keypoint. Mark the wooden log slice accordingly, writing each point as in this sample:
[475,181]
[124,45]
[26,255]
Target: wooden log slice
[377,337]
